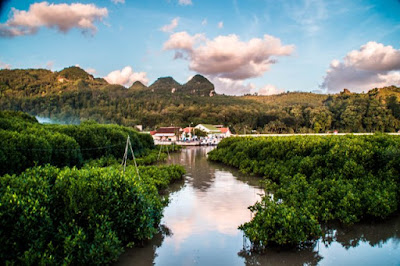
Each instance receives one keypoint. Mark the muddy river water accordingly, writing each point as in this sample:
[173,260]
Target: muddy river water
[200,226]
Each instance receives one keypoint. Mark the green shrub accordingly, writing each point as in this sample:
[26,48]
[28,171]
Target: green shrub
[71,216]
[326,178]
[25,143]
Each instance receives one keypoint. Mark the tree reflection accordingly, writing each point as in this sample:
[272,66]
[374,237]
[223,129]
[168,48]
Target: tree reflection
[376,234]
[146,253]
[373,233]
[304,256]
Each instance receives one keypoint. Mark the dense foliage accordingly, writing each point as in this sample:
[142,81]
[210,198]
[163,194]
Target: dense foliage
[76,216]
[24,142]
[50,216]
[314,180]
[81,97]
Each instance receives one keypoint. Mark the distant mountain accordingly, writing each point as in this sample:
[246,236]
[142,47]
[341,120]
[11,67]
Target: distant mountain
[137,85]
[196,86]
[165,84]
[74,73]
[200,86]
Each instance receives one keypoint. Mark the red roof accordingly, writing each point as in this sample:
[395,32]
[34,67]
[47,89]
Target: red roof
[224,129]
[173,130]
[153,132]
[188,129]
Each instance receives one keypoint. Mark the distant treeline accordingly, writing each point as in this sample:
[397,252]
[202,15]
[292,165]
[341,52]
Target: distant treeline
[24,142]
[72,96]
[315,180]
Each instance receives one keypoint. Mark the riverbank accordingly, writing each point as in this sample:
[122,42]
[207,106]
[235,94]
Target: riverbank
[200,223]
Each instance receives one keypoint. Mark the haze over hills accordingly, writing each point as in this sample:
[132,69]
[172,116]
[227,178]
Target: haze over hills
[72,95]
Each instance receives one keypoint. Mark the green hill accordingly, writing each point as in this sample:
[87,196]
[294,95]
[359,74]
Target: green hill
[199,85]
[72,95]
[137,85]
[165,84]
[74,73]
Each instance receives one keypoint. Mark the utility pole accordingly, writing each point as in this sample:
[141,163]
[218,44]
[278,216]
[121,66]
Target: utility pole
[125,158]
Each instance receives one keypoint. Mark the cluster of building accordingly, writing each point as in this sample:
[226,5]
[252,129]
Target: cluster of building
[212,134]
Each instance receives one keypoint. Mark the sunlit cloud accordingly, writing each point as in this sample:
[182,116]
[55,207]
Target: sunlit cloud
[227,56]
[126,77]
[170,27]
[373,65]
[63,17]
[269,90]
[232,87]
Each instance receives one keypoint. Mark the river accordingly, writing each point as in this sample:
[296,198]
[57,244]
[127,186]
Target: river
[200,223]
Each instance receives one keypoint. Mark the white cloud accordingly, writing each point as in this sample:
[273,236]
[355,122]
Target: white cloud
[227,56]
[63,17]
[269,90]
[126,77]
[4,65]
[185,2]
[118,1]
[373,65]
[91,71]
[170,27]
[232,87]
[240,87]
[220,25]
[204,22]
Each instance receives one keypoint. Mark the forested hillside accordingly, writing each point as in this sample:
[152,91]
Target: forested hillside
[72,96]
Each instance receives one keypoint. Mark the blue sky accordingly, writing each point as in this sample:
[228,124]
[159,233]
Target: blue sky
[130,34]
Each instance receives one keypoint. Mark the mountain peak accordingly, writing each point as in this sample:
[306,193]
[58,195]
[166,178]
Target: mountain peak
[199,78]
[137,85]
[74,73]
[199,85]
[165,83]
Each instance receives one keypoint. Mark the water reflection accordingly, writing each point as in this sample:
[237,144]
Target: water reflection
[305,256]
[202,216]
[200,226]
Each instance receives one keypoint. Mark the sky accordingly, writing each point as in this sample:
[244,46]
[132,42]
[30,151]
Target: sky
[242,46]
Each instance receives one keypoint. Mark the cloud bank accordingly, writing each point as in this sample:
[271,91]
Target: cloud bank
[63,17]
[373,65]
[126,77]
